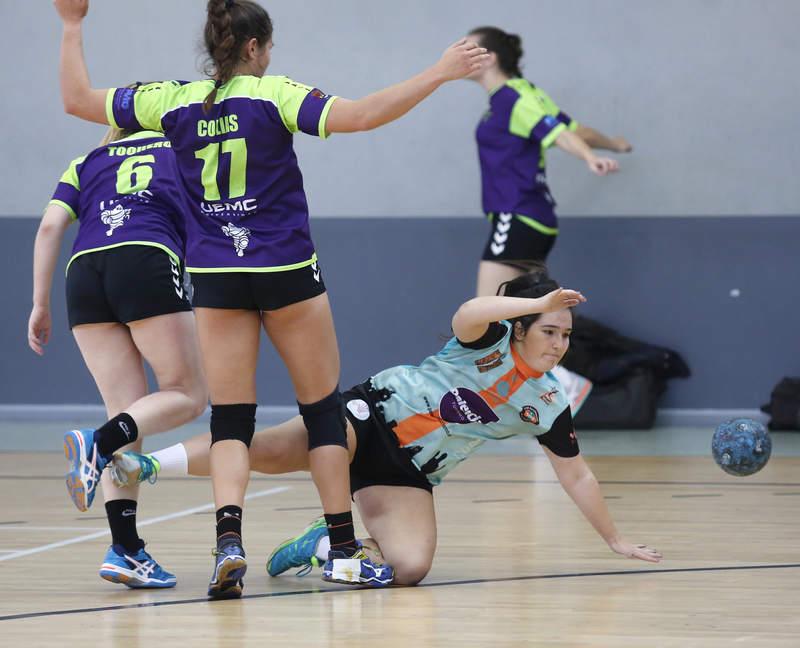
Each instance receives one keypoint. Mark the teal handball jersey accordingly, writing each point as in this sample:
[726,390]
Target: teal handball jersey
[444,409]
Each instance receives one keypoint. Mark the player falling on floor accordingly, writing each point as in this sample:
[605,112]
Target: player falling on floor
[409,426]
[126,304]
[249,248]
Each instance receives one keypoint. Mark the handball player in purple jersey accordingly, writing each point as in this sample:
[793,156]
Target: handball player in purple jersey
[249,249]
[126,304]
[520,124]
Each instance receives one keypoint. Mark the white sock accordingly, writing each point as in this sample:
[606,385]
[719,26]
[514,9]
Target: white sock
[323,548]
[174,461]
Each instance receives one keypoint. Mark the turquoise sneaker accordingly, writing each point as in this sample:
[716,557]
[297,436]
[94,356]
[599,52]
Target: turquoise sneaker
[129,468]
[299,551]
[86,466]
[136,570]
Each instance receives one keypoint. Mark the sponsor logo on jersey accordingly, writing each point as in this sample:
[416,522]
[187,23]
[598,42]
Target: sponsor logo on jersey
[316,92]
[240,236]
[530,414]
[492,361]
[463,406]
[358,408]
[548,397]
[114,218]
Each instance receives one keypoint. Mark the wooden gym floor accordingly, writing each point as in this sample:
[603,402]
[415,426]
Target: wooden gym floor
[516,564]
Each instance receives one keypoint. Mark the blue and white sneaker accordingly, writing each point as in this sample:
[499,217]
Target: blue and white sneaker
[357,569]
[86,467]
[229,569]
[299,551]
[129,468]
[136,570]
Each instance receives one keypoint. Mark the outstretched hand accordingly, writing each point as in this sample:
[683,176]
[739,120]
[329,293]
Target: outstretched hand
[638,552]
[560,299]
[72,11]
[603,166]
[461,59]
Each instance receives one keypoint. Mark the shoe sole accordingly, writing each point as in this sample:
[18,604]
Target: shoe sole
[73,444]
[280,548]
[113,576]
[368,583]
[230,579]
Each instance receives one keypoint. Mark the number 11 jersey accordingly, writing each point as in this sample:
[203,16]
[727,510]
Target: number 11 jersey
[247,206]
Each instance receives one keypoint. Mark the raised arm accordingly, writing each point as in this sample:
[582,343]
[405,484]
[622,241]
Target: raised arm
[596,140]
[472,319]
[349,116]
[45,255]
[581,485]
[79,98]
[571,143]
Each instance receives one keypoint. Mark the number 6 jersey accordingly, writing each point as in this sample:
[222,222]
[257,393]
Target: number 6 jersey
[127,192]
[248,209]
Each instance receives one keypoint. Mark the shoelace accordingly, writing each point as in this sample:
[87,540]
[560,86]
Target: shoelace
[148,470]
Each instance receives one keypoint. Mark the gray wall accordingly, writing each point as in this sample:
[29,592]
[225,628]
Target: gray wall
[705,89]
[395,283]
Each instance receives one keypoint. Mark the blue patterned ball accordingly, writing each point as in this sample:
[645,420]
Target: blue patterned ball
[741,446]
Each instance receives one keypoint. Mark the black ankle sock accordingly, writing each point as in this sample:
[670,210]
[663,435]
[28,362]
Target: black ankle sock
[341,532]
[122,520]
[229,520]
[119,431]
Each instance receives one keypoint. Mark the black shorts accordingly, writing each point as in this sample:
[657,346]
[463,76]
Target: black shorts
[124,284]
[261,291]
[513,242]
[379,460]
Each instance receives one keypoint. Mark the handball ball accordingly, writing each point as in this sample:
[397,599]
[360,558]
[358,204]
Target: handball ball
[741,447]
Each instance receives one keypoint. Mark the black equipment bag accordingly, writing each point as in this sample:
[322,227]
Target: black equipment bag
[628,404]
[784,405]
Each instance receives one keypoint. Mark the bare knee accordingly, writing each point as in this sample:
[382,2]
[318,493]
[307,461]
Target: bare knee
[410,570]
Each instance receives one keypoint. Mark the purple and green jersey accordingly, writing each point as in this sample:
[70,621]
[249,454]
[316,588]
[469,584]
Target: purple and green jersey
[127,192]
[248,210]
[521,124]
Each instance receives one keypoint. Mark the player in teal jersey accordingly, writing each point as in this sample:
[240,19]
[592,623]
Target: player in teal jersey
[408,426]
[521,123]
[249,248]
[126,305]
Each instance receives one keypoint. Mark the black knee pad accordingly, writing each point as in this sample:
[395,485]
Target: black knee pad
[233,423]
[325,421]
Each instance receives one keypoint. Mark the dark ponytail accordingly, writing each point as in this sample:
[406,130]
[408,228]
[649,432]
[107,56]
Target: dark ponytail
[536,283]
[231,24]
[507,47]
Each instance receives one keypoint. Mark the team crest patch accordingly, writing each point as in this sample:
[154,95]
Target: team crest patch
[358,408]
[492,361]
[529,414]
[548,397]
[462,405]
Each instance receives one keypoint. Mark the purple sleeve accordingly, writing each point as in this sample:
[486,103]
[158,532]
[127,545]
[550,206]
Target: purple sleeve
[67,195]
[543,128]
[121,110]
[311,112]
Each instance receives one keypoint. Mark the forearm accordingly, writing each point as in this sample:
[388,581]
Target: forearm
[79,98]
[574,145]
[484,310]
[595,139]
[393,102]
[45,257]
[585,492]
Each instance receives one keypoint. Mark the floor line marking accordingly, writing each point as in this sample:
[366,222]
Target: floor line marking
[143,523]
[25,527]
[475,581]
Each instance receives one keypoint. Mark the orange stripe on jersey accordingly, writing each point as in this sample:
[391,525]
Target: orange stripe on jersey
[417,426]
